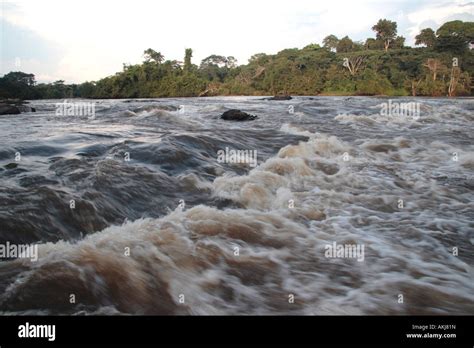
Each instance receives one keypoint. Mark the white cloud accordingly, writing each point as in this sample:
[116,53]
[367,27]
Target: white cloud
[437,14]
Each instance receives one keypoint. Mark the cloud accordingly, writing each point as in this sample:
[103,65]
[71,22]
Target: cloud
[23,49]
[437,14]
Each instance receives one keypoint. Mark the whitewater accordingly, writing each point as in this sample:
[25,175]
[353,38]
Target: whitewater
[133,212]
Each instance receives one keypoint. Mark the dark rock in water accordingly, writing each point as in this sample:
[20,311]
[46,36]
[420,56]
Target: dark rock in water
[25,108]
[138,101]
[281,97]
[14,107]
[6,109]
[155,107]
[11,165]
[237,115]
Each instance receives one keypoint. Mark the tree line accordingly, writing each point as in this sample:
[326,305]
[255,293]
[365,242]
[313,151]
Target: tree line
[382,65]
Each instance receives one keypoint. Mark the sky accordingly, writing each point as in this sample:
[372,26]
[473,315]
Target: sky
[86,40]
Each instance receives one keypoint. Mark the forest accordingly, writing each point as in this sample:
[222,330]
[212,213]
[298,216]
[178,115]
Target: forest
[441,64]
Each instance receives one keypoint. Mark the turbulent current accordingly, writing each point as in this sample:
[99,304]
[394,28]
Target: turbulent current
[133,213]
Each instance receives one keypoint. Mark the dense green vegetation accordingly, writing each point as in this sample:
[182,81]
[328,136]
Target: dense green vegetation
[379,66]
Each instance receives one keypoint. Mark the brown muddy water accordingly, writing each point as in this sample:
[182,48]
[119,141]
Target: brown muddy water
[133,212]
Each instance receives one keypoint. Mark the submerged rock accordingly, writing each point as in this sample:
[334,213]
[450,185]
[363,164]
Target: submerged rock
[281,97]
[237,115]
[14,107]
[6,109]
[26,108]
[156,107]
[11,165]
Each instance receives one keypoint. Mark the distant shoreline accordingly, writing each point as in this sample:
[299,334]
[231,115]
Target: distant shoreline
[265,96]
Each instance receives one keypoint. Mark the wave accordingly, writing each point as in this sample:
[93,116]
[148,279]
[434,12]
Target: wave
[248,258]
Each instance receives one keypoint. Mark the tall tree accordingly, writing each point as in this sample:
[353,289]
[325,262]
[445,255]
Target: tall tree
[217,67]
[426,37]
[354,64]
[331,42]
[188,54]
[152,55]
[231,62]
[386,31]
[399,42]
[18,85]
[373,44]
[214,59]
[433,65]
[453,81]
[455,36]
[345,45]
[20,78]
